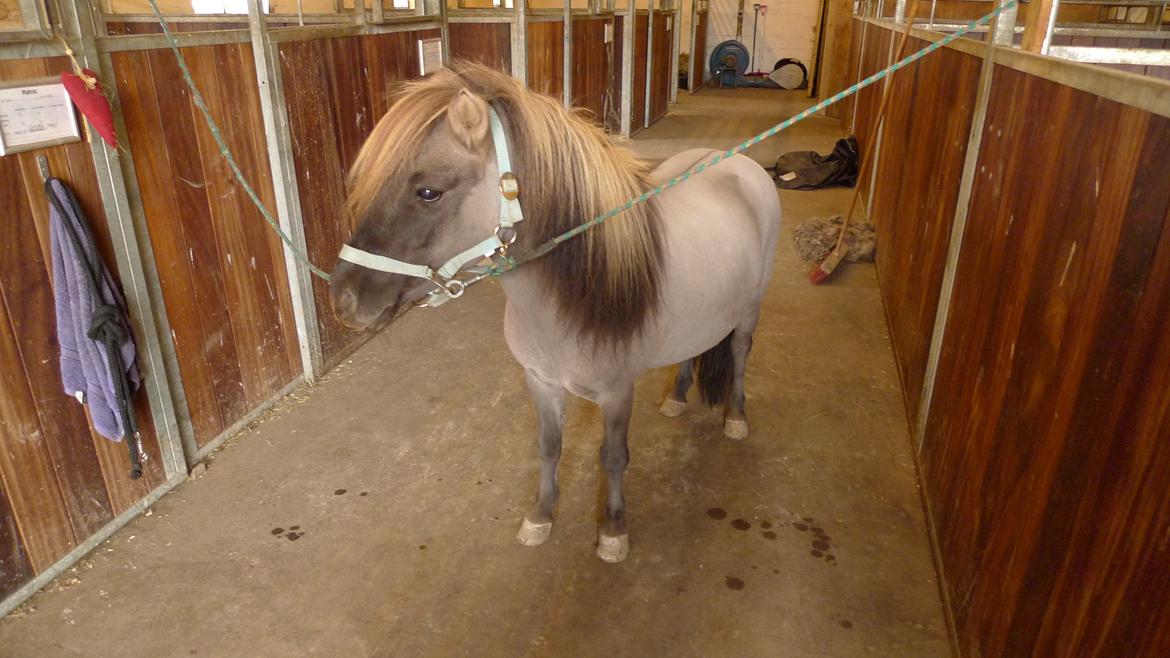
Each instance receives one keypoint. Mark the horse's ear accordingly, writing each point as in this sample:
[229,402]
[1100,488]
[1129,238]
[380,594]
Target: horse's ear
[468,118]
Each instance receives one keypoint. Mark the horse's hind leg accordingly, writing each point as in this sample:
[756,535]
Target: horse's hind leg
[613,542]
[735,424]
[676,401]
[550,406]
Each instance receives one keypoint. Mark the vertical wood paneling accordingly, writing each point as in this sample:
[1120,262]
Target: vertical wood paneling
[489,44]
[923,149]
[641,34]
[874,59]
[546,58]
[619,54]
[593,66]
[1045,456]
[660,80]
[699,57]
[336,90]
[221,269]
[59,481]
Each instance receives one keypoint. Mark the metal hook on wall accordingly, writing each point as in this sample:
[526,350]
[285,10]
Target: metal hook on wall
[43,166]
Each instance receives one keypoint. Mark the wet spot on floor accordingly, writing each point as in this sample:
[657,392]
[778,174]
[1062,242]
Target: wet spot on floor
[829,557]
[293,536]
[816,553]
[775,571]
[277,531]
[734,583]
[807,519]
[717,513]
[769,535]
[821,544]
[845,623]
[422,547]
[800,526]
[740,524]
[294,527]
[819,531]
[339,492]
[765,524]
[364,493]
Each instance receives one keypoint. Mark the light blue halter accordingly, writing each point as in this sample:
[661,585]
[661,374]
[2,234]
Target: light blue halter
[444,278]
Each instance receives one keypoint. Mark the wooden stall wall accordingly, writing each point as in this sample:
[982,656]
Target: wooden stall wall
[593,66]
[638,107]
[336,90]
[489,44]
[875,57]
[221,269]
[546,57]
[1046,456]
[60,482]
[699,57]
[660,65]
[619,53]
[924,143]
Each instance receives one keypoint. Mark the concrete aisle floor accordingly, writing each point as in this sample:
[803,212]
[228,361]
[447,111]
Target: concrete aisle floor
[376,513]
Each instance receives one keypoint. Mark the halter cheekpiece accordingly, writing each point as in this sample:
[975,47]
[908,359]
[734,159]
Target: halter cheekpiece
[444,279]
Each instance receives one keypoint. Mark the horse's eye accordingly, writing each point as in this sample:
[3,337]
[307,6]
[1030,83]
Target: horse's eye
[429,195]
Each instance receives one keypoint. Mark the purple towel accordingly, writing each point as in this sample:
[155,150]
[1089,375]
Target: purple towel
[85,368]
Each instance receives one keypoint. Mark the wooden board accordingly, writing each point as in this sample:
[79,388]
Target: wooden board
[221,269]
[593,67]
[638,107]
[546,58]
[60,482]
[699,57]
[660,75]
[1045,458]
[336,90]
[924,144]
[489,44]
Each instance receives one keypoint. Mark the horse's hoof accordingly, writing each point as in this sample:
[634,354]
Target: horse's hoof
[533,534]
[613,549]
[672,408]
[735,429]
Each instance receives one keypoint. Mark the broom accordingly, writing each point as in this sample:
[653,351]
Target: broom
[826,266]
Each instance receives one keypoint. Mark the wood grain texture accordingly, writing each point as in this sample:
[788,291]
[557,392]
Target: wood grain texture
[593,66]
[1045,456]
[59,481]
[221,269]
[924,144]
[336,90]
[638,107]
[489,44]
[614,121]
[546,58]
[874,58]
[699,57]
[660,68]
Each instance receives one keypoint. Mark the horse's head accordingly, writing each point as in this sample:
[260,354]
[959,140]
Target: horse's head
[423,189]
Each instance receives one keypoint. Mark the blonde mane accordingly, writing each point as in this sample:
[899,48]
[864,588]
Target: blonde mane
[606,281]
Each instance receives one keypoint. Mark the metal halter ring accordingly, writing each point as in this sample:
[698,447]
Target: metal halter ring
[454,288]
[509,231]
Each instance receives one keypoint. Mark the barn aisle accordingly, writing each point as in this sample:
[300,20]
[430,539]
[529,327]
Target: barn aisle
[376,513]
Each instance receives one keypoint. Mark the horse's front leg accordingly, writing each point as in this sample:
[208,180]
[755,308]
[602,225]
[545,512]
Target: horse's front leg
[613,542]
[550,407]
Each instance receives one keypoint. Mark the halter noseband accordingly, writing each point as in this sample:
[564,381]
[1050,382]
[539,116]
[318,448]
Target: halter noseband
[444,278]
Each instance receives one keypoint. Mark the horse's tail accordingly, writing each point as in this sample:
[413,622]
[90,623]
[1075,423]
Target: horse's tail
[715,369]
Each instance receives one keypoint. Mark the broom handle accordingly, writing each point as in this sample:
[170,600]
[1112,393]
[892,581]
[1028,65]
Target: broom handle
[871,142]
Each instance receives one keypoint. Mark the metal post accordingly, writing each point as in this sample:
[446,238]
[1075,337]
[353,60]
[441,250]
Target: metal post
[628,68]
[567,87]
[438,8]
[520,42]
[1003,27]
[649,62]
[958,227]
[899,11]
[284,183]
[135,261]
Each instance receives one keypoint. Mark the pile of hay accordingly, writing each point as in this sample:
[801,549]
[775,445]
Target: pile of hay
[815,238]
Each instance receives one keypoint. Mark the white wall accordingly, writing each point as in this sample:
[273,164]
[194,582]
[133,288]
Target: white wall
[787,30]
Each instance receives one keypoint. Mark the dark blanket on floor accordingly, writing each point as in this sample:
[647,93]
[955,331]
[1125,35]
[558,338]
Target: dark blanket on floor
[809,170]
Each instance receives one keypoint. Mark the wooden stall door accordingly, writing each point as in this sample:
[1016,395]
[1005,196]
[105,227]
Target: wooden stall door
[336,90]
[221,269]
[593,67]
[489,44]
[699,57]
[60,482]
[641,35]
[660,76]
[546,58]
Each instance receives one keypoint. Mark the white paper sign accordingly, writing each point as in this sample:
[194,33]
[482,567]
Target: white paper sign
[35,113]
[430,55]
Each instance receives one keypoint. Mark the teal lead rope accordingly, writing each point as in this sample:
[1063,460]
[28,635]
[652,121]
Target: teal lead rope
[507,264]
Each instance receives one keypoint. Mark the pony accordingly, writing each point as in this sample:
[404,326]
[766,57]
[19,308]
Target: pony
[468,152]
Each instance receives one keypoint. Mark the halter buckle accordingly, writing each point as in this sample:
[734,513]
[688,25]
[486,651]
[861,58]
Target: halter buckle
[509,186]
